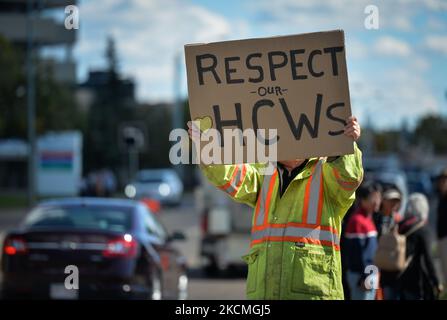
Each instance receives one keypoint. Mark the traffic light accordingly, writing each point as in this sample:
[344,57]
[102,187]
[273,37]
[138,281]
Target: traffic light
[133,138]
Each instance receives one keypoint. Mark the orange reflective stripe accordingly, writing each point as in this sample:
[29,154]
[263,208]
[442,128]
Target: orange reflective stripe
[232,186]
[228,184]
[263,203]
[346,185]
[298,232]
[297,224]
[309,230]
[297,239]
[241,179]
[347,188]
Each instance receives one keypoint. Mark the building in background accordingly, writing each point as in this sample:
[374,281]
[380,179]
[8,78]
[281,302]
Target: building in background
[52,45]
[98,83]
[13,165]
[58,164]
[49,32]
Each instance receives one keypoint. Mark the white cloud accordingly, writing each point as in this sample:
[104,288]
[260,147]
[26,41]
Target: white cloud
[311,15]
[402,23]
[356,49]
[389,96]
[390,46]
[420,63]
[148,35]
[436,24]
[436,5]
[437,43]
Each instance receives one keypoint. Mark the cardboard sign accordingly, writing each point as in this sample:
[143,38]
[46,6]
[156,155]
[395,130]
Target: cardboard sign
[296,84]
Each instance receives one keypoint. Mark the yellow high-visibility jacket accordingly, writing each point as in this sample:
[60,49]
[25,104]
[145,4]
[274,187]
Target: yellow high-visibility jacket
[295,238]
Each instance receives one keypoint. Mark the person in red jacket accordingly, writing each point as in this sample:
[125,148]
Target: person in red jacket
[361,241]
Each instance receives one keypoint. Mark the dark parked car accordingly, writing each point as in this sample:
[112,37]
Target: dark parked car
[118,247]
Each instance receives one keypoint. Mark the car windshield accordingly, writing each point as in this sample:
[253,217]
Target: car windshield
[150,177]
[111,218]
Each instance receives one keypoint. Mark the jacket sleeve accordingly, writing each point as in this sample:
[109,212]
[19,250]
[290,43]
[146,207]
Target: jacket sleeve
[242,182]
[343,176]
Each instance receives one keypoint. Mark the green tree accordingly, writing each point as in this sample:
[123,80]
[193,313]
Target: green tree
[12,84]
[109,110]
[432,129]
[56,107]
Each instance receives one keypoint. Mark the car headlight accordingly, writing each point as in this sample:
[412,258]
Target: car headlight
[164,189]
[130,191]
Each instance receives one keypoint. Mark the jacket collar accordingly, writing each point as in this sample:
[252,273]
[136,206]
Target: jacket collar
[305,173]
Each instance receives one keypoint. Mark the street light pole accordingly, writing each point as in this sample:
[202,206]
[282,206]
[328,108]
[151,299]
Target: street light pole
[178,110]
[133,163]
[31,102]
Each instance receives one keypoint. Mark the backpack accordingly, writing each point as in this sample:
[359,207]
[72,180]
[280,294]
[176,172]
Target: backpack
[391,250]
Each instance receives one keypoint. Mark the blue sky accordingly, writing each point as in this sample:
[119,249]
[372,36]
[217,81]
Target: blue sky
[396,72]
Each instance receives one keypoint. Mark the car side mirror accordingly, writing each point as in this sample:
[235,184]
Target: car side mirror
[177,236]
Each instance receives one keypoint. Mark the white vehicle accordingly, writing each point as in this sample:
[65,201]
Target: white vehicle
[163,185]
[225,229]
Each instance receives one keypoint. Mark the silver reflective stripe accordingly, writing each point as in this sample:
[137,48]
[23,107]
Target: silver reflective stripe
[233,185]
[315,185]
[263,199]
[309,233]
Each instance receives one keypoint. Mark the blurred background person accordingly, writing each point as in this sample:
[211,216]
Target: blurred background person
[361,240]
[388,216]
[109,182]
[386,220]
[419,280]
[344,257]
[442,222]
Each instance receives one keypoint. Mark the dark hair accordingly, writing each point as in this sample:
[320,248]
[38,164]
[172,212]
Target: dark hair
[366,188]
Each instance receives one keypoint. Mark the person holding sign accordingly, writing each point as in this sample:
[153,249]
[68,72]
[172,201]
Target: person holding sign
[298,210]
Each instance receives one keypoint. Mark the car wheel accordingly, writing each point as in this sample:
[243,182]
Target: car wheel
[182,287]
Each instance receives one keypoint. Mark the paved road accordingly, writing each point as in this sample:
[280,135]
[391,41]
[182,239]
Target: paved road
[185,219]
[182,218]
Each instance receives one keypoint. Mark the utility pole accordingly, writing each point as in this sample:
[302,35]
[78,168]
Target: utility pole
[134,143]
[178,110]
[31,102]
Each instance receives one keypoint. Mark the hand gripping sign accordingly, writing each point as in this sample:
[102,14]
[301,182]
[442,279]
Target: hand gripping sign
[288,92]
